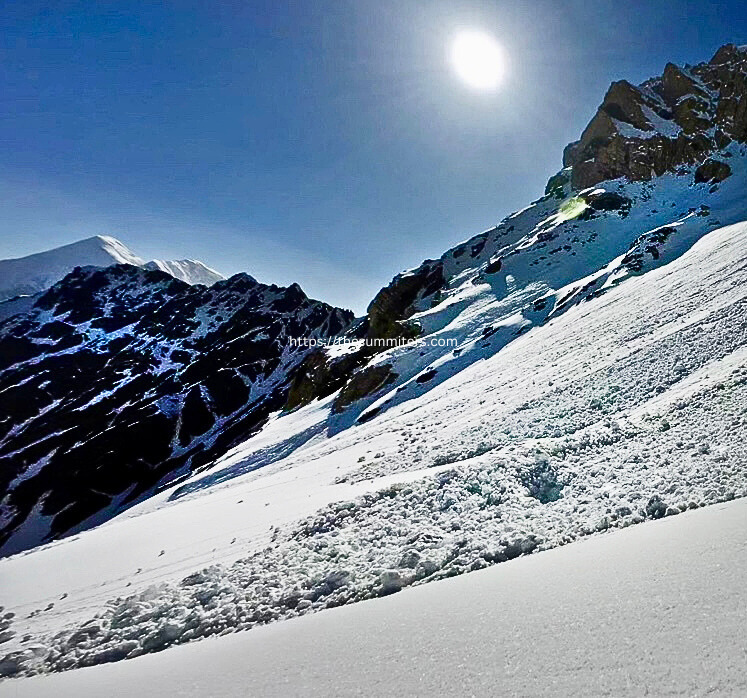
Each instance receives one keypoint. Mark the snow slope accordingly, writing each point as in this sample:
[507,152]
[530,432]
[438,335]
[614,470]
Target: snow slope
[30,275]
[190,270]
[653,610]
[628,407]
[598,381]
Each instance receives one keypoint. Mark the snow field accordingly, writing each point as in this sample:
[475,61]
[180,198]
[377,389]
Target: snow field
[630,407]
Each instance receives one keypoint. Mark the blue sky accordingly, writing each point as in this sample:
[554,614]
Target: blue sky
[323,142]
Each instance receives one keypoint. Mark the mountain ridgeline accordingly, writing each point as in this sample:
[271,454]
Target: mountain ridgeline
[27,276]
[672,136]
[117,381]
[121,379]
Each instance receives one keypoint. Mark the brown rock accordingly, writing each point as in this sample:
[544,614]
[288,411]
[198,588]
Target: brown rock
[363,383]
[676,84]
[318,376]
[726,54]
[688,113]
[395,302]
[623,102]
[604,153]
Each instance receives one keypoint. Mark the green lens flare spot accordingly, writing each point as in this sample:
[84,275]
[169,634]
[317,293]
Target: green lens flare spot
[572,208]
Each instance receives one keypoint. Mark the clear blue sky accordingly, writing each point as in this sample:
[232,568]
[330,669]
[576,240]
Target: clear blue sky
[324,142]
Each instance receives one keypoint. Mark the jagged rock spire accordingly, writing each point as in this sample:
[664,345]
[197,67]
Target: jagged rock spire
[681,118]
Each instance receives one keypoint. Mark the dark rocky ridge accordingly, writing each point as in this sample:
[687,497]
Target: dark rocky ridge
[120,379]
[677,119]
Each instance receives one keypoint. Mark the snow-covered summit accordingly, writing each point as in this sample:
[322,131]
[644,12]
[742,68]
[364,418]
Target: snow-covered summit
[34,273]
[29,275]
[190,270]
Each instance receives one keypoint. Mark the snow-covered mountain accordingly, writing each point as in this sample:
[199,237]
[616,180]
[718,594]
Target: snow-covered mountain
[118,380]
[580,366]
[35,273]
[190,270]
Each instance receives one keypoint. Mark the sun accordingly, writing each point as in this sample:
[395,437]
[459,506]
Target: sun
[477,59]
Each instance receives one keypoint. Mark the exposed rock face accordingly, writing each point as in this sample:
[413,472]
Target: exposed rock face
[395,302]
[675,84]
[608,201]
[119,379]
[363,383]
[320,375]
[677,119]
[604,201]
[712,171]
[556,185]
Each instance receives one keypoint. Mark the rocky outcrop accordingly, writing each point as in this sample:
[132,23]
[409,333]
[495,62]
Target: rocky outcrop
[395,303]
[386,321]
[624,104]
[363,383]
[676,83]
[712,171]
[678,119]
[319,375]
[120,379]
[556,185]
[606,201]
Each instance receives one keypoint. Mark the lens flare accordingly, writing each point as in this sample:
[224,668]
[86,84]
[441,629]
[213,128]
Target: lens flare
[572,208]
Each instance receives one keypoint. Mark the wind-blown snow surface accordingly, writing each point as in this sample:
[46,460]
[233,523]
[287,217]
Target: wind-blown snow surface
[629,406]
[653,610]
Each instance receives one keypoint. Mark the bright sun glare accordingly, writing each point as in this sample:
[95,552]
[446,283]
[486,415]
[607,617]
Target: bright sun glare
[477,59]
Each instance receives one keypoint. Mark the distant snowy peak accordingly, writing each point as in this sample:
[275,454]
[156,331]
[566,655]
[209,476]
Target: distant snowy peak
[29,275]
[118,251]
[36,272]
[190,270]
